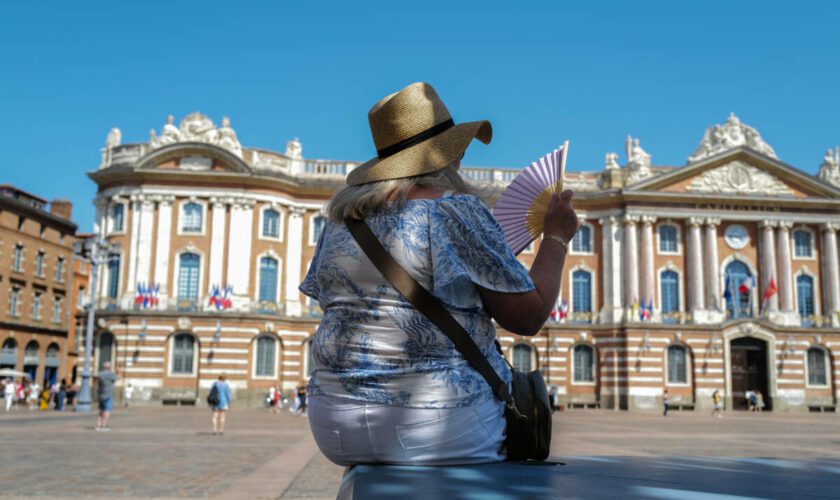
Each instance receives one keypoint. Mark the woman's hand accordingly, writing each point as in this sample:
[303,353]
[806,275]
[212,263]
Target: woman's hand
[561,219]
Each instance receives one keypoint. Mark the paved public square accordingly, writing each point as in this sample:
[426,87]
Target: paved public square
[169,451]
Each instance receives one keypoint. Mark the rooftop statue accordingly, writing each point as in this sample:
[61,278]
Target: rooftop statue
[294,149]
[638,161]
[730,135]
[611,161]
[196,127]
[830,168]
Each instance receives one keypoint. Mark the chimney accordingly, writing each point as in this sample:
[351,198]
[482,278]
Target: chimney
[62,208]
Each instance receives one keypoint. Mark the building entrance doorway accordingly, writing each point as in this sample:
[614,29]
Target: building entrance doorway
[748,358]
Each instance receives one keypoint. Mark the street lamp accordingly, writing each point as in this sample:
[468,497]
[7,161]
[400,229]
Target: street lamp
[96,252]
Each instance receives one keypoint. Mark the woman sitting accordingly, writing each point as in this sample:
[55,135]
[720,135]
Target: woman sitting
[388,386]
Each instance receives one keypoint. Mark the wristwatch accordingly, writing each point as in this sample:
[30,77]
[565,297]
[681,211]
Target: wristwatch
[558,239]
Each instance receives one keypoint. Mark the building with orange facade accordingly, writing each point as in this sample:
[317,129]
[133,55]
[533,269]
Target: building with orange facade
[721,274]
[36,285]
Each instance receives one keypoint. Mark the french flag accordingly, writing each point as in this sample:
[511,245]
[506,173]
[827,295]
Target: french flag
[747,284]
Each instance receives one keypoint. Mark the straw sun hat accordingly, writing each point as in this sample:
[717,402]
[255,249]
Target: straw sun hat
[414,134]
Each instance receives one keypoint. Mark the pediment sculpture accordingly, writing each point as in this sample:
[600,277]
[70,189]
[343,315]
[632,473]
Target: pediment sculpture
[830,168]
[197,127]
[738,178]
[730,135]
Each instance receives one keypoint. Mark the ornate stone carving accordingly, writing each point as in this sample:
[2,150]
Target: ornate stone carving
[730,135]
[611,161]
[114,138]
[736,236]
[196,127]
[738,178]
[294,149]
[830,168]
[638,161]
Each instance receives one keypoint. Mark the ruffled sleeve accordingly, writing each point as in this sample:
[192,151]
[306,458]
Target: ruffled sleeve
[468,248]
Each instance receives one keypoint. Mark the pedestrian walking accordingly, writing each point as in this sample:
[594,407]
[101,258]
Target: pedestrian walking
[8,393]
[105,384]
[219,401]
[34,394]
[665,403]
[718,402]
[60,396]
[129,393]
[301,394]
[44,402]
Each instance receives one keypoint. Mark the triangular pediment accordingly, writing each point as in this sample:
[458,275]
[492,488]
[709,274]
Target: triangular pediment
[740,172]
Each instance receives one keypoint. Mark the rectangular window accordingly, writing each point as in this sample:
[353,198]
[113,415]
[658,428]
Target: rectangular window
[39,264]
[17,259]
[36,307]
[117,217]
[192,218]
[56,313]
[80,298]
[582,241]
[802,244]
[59,270]
[667,239]
[14,302]
[816,367]
[677,373]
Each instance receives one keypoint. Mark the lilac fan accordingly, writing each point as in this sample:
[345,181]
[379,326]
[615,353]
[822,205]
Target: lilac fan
[521,208]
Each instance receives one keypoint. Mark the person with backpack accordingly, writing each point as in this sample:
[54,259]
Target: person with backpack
[219,401]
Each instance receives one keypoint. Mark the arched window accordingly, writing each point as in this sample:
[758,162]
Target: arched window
[802,247]
[677,365]
[117,217]
[668,239]
[523,355]
[53,359]
[584,363]
[265,357]
[581,291]
[183,354]
[738,284]
[192,219]
[817,366]
[271,223]
[268,280]
[105,347]
[309,365]
[582,241]
[188,274]
[8,356]
[805,299]
[318,223]
[669,294]
[31,359]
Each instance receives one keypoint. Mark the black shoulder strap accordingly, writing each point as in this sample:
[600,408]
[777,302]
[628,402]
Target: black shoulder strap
[427,304]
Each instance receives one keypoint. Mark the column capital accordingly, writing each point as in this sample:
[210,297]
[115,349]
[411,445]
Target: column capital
[695,221]
[713,221]
[631,220]
[830,227]
[768,224]
[648,220]
[296,211]
[609,219]
[784,225]
[218,203]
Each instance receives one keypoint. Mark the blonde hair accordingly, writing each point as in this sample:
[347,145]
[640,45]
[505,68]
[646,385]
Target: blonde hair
[357,201]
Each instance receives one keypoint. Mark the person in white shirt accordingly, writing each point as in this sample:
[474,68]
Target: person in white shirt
[129,392]
[9,393]
[34,392]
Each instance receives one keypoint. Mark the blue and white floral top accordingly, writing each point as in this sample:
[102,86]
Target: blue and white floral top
[372,345]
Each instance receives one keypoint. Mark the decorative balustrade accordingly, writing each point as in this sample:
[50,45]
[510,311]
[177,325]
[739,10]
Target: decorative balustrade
[176,305]
[327,168]
[490,175]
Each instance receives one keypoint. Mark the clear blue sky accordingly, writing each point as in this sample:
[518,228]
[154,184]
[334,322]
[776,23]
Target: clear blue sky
[591,72]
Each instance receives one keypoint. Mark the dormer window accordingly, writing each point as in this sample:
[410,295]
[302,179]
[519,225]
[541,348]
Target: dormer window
[192,218]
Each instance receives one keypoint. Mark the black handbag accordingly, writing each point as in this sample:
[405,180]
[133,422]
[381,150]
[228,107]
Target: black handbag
[527,409]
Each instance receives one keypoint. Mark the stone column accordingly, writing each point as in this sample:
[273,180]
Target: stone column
[162,249]
[217,243]
[144,241]
[832,271]
[631,265]
[768,265]
[785,273]
[130,255]
[712,262]
[647,275]
[293,260]
[694,264]
[239,250]
[611,239]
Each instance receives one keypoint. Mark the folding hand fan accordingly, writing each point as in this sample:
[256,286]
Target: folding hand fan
[521,208]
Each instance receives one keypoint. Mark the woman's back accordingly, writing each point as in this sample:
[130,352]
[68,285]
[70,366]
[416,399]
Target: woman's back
[372,344]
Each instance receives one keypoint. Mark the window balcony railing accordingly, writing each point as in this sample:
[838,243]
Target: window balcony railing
[190,305]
